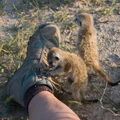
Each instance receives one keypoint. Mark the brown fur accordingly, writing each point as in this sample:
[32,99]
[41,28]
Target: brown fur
[87,45]
[69,64]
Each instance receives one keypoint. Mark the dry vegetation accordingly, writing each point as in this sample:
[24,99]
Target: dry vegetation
[13,45]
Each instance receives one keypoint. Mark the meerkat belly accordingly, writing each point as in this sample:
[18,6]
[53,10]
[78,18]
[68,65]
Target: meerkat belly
[88,52]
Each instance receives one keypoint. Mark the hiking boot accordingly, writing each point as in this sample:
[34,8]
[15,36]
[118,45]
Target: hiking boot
[29,74]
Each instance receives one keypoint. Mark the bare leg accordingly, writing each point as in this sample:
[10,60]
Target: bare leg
[45,106]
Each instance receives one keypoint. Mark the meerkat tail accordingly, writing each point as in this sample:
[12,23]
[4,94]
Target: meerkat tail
[114,84]
[100,71]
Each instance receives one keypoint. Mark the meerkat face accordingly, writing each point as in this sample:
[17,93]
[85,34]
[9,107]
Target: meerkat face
[84,19]
[53,58]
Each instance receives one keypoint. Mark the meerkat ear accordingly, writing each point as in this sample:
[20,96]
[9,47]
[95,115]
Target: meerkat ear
[67,67]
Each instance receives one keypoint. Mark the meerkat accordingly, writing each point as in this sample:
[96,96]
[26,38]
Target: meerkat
[87,45]
[65,63]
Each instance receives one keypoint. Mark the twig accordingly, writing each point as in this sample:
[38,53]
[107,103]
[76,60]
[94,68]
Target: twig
[102,106]
[105,96]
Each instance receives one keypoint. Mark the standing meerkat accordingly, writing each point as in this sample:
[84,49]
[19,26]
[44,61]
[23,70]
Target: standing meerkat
[69,64]
[87,45]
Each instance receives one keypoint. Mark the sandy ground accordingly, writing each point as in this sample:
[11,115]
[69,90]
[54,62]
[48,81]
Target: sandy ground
[108,37]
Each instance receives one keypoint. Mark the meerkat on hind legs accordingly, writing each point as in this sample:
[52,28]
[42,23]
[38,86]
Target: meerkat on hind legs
[87,45]
[69,64]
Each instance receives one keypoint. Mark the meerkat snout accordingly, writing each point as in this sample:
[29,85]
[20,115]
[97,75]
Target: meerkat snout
[50,64]
[49,59]
[76,20]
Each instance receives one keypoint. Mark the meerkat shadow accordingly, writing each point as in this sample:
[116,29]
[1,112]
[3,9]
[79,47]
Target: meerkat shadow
[85,101]
[90,101]
[113,64]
